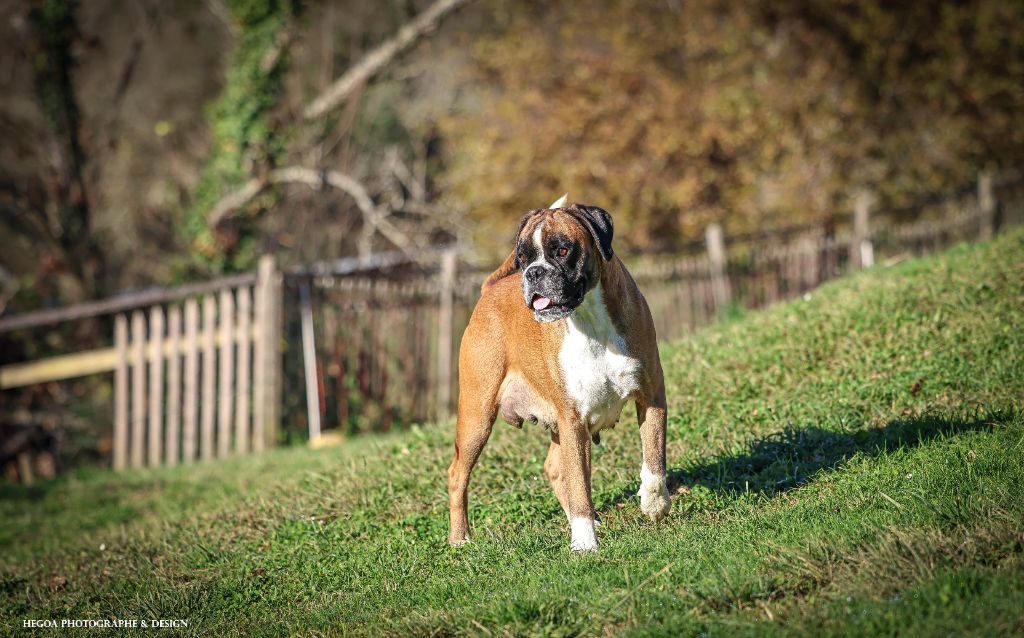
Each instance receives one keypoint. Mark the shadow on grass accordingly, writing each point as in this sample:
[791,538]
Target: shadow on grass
[35,492]
[795,456]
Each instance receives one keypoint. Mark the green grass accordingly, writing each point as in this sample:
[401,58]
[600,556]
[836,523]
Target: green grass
[851,464]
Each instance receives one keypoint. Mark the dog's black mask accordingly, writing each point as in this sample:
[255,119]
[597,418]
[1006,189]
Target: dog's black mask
[558,252]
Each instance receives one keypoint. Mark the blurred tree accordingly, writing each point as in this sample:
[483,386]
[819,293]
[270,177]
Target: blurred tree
[54,207]
[128,126]
[677,114]
[670,114]
[940,85]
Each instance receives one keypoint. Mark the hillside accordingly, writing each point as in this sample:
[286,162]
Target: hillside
[847,464]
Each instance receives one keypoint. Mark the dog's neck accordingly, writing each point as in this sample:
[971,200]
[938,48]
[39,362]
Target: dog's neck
[614,292]
[592,317]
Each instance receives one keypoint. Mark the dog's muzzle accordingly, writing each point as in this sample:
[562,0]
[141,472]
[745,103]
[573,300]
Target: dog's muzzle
[548,294]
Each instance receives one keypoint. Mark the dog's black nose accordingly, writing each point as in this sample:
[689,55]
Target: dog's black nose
[533,275]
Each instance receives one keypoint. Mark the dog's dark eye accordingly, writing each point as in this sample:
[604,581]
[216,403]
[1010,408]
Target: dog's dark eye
[563,251]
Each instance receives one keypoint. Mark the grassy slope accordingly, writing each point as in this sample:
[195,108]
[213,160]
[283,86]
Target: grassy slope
[848,464]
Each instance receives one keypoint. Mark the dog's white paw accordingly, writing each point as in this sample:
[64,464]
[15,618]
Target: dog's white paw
[584,539]
[582,548]
[654,498]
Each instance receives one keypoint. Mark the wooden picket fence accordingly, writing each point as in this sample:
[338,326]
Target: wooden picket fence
[210,370]
[195,368]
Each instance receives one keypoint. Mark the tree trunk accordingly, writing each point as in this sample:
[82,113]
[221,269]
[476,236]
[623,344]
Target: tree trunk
[55,29]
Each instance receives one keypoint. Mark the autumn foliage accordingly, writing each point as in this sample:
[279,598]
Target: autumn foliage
[674,114]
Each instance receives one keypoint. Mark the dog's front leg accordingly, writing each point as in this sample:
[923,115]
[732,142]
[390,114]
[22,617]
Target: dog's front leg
[574,447]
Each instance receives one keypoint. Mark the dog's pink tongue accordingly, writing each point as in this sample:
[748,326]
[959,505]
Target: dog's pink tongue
[540,303]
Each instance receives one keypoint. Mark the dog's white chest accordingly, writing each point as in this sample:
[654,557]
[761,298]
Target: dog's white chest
[599,372]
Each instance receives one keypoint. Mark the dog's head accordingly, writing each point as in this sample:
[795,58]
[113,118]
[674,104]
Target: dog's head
[561,251]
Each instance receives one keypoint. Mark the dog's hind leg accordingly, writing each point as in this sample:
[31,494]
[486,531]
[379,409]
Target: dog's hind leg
[480,380]
[553,469]
[574,467]
[471,435]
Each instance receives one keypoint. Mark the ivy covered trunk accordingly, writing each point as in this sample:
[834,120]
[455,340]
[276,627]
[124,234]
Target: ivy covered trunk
[244,139]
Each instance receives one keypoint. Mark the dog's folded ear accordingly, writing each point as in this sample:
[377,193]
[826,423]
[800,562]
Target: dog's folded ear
[599,223]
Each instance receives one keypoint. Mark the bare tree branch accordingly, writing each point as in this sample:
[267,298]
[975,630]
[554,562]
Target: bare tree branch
[235,200]
[375,60]
[405,176]
[373,215]
[281,44]
[222,13]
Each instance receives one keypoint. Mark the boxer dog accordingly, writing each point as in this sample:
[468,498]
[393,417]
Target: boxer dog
[561,336]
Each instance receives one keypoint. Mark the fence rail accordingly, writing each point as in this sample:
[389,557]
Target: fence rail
[121,303]
[204,371]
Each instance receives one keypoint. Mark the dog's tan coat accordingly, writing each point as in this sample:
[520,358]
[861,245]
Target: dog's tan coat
[510,362]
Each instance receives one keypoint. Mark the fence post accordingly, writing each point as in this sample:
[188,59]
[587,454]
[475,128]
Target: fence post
[267,370]
[862,251]
[208,396]
[445,326]
[138,364]
[244,364]
[716,257]
[810,261]
[191,400]
[226,374]
[121,392]
[156,383]
[986,205]
[173,431]
[309,361]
